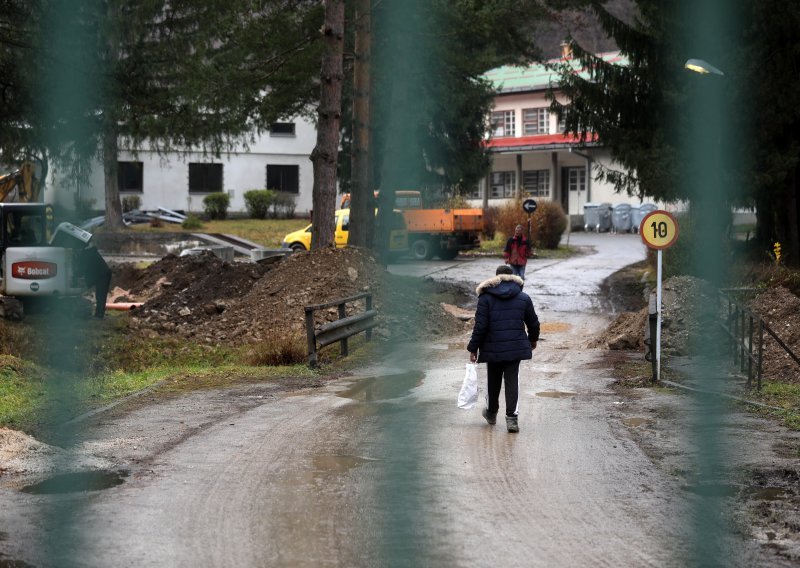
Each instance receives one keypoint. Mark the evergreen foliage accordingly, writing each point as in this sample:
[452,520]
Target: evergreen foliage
[646,111]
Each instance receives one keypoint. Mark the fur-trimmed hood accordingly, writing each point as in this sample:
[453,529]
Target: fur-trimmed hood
[496,286]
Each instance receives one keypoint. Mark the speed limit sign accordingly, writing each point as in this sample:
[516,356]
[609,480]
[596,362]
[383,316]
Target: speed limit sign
[659,230]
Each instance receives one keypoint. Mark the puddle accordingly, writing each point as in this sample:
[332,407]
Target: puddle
[377,389]
[636,422]
[77,482]
[556,394]
[337,463]
[766,493]
[709,490]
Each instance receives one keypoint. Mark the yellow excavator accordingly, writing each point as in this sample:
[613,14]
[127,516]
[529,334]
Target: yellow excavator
[21,185]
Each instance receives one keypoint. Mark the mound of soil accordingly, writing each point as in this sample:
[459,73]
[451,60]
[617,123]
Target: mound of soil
[203,298]
[690,312]
[780,309]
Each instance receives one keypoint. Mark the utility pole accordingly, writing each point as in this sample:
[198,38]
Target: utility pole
[325,153]
[362,214]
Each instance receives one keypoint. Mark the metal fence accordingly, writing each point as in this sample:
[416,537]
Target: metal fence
[746,334]
[340,329]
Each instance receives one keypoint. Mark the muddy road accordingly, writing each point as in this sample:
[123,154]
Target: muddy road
[381,468]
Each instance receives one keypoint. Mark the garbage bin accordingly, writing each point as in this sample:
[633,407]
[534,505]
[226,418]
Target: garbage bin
[604,216]
[591,217]
[639,213]
[621,218]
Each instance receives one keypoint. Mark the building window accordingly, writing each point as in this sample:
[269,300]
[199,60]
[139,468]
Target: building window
[562,121]
[281,129]
[576,179]
[205,178]
[283,178]
[129,176]
[503,184]
[503,123]
[535,121]
[536,183]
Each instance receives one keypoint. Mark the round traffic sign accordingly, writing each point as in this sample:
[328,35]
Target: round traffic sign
[659,229]
[529,205]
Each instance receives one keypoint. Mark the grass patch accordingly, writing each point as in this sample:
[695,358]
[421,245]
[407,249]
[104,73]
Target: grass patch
[785,396]
[279,350]
[22,390]
[266,232]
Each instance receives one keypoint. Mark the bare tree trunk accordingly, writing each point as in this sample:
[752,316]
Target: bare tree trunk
[113,207]
[362,215]
[326,151]
[110,152]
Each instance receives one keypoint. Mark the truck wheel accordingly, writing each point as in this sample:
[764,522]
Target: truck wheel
[448,254]
[422,249]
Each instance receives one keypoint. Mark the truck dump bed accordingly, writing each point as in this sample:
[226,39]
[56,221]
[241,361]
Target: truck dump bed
[443,220]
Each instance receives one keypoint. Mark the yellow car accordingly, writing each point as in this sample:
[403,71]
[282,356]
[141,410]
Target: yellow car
[398,236]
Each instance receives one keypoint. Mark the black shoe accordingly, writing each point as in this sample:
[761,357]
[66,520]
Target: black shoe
[491,417]
[511,424]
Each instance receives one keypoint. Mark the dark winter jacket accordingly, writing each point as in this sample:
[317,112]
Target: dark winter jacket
[516,251]
[504,311]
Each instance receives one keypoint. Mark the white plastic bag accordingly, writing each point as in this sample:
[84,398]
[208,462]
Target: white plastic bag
[468,395]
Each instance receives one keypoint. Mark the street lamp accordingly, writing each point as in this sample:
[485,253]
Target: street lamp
[703,67]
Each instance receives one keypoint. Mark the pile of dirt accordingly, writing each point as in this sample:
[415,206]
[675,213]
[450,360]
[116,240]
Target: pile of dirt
[625,333]
[691,312]
[780,309]
[203,298]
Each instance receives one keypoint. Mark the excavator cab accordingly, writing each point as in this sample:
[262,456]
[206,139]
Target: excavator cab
[23,225]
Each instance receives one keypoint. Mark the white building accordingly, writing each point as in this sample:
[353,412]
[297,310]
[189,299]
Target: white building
[278,159]
[531,155]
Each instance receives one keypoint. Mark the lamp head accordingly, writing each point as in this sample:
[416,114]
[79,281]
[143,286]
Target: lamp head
[704,67]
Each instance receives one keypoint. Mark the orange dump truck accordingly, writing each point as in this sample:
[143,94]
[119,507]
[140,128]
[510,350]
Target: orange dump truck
[436,232]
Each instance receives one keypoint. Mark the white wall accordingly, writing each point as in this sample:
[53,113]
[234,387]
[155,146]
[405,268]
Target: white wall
[166,178]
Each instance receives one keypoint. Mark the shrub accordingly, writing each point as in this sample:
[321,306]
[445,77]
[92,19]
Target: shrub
[283,205]
[548,223]
[258,202]
[489,222]
[192,222]
[216,205]
[456,202]
[279,350]
[131,202]
[508,216]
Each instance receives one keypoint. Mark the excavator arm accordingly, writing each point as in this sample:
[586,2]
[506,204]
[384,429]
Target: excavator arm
[23,181]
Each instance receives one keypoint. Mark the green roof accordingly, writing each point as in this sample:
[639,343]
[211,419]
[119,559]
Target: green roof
[539,76]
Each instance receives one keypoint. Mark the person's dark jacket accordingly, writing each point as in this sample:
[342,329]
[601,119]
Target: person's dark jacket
[504,312]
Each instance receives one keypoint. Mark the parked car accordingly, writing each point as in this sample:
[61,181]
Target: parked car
[398,236]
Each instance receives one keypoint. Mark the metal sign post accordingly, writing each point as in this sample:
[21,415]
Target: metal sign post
[659,230]
[529,206]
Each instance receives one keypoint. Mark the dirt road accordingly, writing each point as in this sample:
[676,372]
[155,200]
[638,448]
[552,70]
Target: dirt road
[382,469]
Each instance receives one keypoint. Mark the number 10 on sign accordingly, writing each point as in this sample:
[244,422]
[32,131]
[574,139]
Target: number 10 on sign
[659,230]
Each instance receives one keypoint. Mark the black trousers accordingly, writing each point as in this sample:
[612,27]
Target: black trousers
[497,372]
